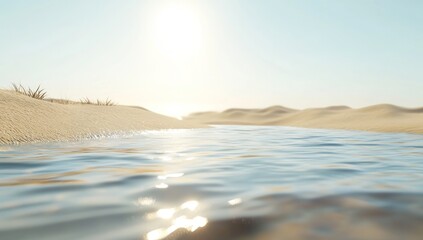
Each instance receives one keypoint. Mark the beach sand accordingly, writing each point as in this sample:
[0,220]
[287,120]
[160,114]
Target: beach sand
[377,118]
[25,119]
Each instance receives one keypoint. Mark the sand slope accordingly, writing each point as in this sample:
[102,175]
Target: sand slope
[380,118]
[24,119]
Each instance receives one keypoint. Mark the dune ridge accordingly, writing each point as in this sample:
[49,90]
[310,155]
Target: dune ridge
[25,119]
[377,118]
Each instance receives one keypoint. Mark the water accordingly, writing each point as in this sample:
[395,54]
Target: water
[227,182]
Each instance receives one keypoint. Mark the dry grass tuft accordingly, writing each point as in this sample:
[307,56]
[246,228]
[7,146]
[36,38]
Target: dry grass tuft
[106,102]
[38,93]
[85,101]
[60,101]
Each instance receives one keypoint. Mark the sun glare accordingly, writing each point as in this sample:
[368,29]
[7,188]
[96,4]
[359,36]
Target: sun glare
[177,110]
[178,31]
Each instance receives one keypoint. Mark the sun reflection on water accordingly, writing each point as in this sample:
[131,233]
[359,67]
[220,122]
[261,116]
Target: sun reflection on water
[235,201]
[165,213]
[191,205]
[172,175]
[145,201]
[190,223]
[162,185]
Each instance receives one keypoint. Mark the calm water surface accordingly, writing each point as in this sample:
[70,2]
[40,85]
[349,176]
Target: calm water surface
[227,182]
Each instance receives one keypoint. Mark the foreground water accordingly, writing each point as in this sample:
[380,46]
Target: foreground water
[227,182]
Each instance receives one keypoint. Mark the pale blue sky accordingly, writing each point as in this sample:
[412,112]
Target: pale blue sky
[237,53]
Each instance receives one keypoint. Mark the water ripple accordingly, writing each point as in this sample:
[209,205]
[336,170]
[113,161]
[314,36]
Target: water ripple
[227,182]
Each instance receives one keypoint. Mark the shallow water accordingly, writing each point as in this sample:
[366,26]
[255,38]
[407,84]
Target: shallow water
[227,182]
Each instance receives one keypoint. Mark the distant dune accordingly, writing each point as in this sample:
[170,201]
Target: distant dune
[25,119]
[379,118]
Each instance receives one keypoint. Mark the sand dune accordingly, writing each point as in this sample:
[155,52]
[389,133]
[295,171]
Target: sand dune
[379,118]
[24,119]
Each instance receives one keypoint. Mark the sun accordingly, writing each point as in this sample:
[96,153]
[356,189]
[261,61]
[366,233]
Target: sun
[176,110]
[178,31]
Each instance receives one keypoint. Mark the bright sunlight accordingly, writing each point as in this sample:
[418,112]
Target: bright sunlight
[178,32]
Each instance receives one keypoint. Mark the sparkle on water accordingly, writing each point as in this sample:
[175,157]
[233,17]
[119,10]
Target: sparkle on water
[226,182]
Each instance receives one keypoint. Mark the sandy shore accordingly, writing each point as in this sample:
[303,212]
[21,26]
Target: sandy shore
[378,118]
[24,119]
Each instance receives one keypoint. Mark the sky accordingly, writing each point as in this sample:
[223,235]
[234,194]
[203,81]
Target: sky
[179,56]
